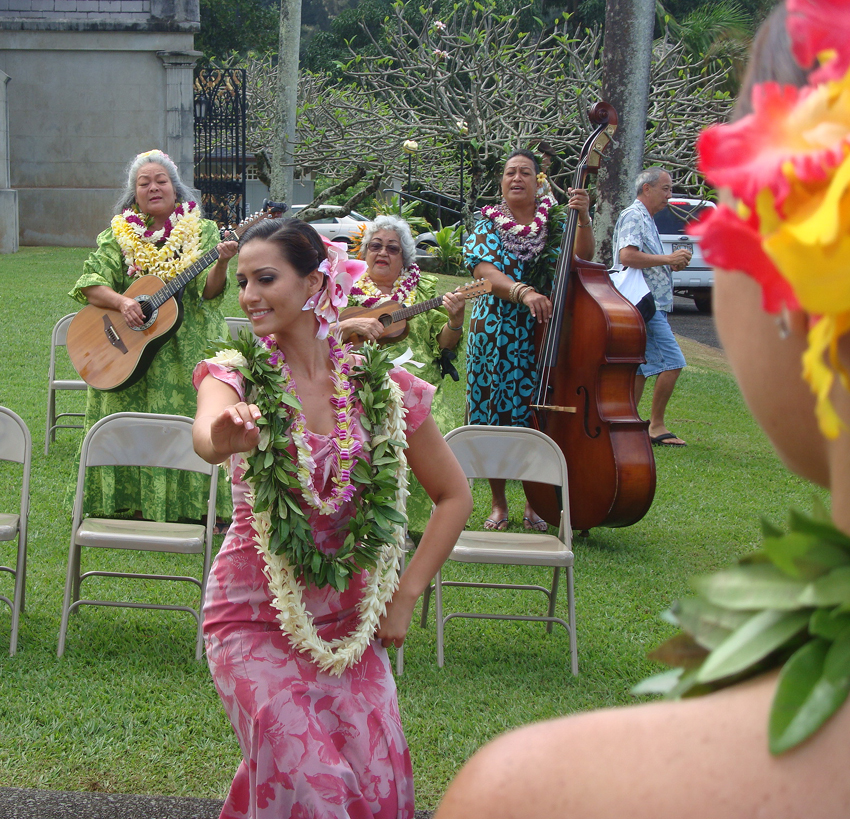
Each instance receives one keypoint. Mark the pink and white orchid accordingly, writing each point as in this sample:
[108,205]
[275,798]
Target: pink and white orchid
[340,275]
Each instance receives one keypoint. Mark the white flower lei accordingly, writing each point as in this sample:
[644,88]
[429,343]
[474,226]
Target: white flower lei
[366,292]
[335,656]
[524,241]
[180,237]
[385,427]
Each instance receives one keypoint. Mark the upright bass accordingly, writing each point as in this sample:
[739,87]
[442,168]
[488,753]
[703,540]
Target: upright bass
[587,359]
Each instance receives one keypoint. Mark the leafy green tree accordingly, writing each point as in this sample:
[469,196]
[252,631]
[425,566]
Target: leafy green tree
[229,26]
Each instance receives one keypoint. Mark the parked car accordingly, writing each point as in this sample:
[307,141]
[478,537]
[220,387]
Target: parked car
[336,227]
[427,242]
[697,279]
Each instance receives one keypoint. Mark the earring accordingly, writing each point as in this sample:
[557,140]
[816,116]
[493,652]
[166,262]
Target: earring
[782,325]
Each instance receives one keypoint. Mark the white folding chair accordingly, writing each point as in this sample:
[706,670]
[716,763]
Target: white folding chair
[59,339]
[512,453]
[16,447]
[235,324]
[147,440]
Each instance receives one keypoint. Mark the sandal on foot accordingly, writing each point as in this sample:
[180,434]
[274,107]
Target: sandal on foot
[667,439]
[492,525]
[538,525]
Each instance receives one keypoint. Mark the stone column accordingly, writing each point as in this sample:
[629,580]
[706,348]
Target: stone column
[8,197]
[179,114]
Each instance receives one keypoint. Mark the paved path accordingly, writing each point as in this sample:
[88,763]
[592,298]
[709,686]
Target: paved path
[20,803]
[687,321]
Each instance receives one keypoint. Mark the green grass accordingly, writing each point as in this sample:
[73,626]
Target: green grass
[128,710]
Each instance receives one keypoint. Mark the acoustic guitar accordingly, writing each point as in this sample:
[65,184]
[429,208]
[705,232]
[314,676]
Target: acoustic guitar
[110,355]
[394,316]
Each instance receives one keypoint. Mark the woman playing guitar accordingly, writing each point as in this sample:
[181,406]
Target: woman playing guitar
[158,231]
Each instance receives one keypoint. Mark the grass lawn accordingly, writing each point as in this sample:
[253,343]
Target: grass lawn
[128,710]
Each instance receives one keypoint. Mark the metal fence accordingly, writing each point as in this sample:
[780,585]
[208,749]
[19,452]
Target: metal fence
[220,131]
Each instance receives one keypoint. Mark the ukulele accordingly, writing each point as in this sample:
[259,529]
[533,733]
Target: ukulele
[110,355]
[394,316]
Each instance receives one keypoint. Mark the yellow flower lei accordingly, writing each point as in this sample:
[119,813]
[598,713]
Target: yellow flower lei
[143,254]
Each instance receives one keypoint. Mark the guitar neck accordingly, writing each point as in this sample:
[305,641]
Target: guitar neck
[415,309]
[179,282]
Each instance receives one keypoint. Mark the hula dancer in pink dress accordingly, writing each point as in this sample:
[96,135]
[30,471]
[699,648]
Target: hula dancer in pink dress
[305,596]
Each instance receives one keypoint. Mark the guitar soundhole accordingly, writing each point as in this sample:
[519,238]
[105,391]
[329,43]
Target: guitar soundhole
[149,310]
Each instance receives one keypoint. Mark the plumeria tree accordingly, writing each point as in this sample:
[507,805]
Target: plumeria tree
[472,85]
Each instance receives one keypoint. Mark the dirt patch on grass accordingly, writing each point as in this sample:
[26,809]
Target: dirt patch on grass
[703,357]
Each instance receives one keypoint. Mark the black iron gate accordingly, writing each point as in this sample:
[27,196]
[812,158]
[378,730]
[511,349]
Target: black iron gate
[220,126]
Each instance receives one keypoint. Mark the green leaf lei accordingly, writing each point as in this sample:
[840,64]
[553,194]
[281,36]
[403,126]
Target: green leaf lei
[271,469]
[542,271]
[787,605]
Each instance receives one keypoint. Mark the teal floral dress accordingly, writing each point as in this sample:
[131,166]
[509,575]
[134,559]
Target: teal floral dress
[165,388]
[500,365]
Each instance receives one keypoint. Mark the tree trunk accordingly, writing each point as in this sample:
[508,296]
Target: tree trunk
[626,60]
[282,168]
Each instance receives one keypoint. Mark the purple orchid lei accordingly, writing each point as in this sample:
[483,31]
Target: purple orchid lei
[523,241]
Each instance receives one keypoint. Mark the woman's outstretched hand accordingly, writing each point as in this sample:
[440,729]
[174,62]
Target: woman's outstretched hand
[235,429]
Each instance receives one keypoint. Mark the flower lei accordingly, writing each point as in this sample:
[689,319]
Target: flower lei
[788,606]
[278,484]
[164,253]
[367,293]
[788,166]
[524,241]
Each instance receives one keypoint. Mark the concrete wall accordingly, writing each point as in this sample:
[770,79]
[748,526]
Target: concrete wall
[92,83]
[8,197]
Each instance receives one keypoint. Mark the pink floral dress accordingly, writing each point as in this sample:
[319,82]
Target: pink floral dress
[313,745]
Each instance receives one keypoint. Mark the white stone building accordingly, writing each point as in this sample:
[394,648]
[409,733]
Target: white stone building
[85,85]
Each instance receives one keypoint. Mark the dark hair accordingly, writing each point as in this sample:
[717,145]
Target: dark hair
[527,154]
[294,240]
[770,59]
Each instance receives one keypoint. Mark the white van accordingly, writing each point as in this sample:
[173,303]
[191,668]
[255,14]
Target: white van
[697,279]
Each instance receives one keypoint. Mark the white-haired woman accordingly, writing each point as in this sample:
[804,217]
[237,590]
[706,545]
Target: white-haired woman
[158,230]
[393,275]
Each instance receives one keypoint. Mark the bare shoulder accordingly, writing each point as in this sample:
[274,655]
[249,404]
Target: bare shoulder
[703,757]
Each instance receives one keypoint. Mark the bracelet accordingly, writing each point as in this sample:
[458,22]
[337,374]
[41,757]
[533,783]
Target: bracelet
[512,293]
[455,329]
[588,223]
[523,293]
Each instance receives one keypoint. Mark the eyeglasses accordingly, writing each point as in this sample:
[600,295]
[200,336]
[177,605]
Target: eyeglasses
[377,247]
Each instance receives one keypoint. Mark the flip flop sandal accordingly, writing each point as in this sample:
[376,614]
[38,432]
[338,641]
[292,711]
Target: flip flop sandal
[491,525]
[667,439]
[538,525]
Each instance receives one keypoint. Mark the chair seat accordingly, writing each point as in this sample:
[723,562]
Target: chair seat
[68,385]
[9,526]
[531,549]
[146,535]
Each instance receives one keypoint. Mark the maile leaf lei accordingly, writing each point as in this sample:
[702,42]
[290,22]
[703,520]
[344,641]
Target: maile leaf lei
[542,268]
[785,606]
[272,471]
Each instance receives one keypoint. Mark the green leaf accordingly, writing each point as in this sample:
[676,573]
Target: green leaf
[819,527]
[709,625]
[829,624]
[662,683]
[751,586]
[832,589]
[290,400]
[806,695]
[754,640]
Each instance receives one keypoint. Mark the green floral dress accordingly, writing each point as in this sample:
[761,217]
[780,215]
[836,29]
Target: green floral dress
[165,388]
[423,343]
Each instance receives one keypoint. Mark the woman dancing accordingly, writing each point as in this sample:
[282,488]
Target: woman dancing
[304,597]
